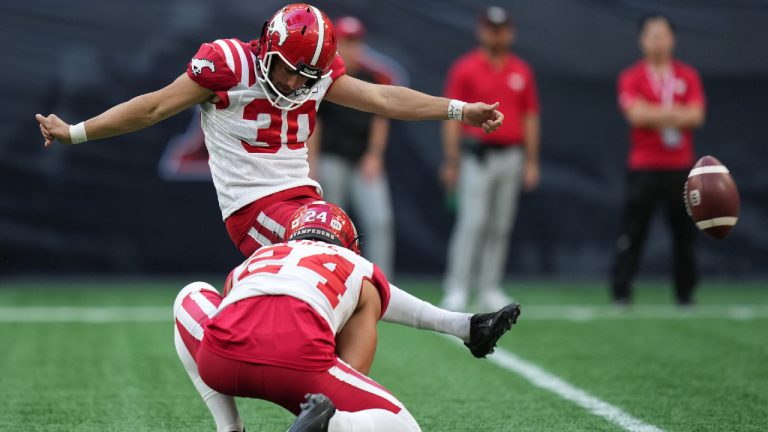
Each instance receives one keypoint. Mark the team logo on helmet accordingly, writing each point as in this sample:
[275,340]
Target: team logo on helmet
[277,25]
[320,220]
[199,64]
[302,37]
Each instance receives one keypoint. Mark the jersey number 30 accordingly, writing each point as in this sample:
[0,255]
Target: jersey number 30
[276,127]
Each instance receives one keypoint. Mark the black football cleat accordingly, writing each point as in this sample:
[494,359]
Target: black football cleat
[315,414]
[486,329]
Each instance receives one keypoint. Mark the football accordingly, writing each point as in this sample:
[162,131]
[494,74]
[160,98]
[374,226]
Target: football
[711,197]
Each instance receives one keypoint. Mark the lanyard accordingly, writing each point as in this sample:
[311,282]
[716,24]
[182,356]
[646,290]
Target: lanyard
[662,84]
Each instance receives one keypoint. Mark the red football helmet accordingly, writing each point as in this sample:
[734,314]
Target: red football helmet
[320,220]
[301,36]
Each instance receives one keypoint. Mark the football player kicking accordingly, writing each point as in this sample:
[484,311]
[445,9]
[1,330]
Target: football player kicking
[258,101]
[273,334]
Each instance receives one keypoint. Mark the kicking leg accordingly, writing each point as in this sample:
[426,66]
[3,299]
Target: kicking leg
[191,310]
[408,310]
[480,332]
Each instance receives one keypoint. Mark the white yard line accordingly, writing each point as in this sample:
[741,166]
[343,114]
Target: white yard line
[85,314]
[644,312]
[547,381]
[106,314]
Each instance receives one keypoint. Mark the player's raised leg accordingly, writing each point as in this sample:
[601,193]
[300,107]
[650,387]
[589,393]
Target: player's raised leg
[480,332]
[409,310]
[191,310]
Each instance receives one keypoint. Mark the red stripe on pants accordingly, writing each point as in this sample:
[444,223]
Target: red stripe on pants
[284,386]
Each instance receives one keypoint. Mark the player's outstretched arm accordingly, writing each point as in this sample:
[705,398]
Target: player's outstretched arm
[137,113]
[402,103]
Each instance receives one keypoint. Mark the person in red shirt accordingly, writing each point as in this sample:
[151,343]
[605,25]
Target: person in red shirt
[663,101]
[487,171]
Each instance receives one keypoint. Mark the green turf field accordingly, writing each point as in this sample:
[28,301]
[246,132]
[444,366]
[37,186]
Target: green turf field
[706,369]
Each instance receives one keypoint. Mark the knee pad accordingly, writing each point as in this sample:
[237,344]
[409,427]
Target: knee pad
[189,289]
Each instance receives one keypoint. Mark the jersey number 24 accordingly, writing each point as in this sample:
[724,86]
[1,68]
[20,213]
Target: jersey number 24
[332,270]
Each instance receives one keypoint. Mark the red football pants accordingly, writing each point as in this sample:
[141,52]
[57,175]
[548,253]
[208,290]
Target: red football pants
[263,222]
[348,389]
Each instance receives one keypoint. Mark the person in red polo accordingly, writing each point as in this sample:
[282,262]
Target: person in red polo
[486,170]
[663,101]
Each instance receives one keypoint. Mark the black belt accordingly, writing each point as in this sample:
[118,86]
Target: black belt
[481,150]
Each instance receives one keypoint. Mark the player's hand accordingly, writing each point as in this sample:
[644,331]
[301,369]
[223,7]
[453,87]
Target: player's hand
[483,115]
[449,174]
[53,128]
[371,166]
[531,176]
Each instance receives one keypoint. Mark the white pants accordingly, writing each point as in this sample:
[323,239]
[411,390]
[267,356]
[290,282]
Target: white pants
[342,182]
[488,192]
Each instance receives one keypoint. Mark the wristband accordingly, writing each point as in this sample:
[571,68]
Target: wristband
[456,110]
[77,133]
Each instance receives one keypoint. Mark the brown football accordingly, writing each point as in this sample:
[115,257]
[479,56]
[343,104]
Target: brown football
[711,198]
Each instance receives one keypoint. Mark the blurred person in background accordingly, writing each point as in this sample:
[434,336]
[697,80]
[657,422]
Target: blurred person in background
[663,100]
[488,171]
[347,153]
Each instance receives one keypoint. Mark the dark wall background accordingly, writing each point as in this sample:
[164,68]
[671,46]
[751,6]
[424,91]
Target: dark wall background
[103,207]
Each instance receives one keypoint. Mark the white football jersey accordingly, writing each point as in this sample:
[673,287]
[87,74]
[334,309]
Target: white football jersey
[328,278]
[255,149]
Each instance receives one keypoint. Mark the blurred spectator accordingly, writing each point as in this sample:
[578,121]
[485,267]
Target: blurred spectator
[348,149]
[662,100]
[488,171]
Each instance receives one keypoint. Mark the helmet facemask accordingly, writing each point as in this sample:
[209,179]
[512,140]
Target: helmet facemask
[275,96]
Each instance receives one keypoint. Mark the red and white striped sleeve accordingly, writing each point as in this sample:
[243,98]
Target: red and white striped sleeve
[223,64]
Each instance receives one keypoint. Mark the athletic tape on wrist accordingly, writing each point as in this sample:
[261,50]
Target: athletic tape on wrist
[77,133]
[456,110]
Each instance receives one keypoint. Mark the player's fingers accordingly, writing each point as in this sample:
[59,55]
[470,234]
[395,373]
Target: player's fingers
[47,136]
[40,118]
[491,108]
[48,142]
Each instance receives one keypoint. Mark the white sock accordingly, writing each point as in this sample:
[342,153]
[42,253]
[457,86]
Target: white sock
[408,310]
[371,420]
[224,411]
[222,407]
